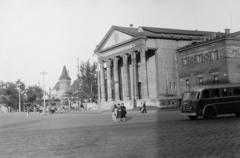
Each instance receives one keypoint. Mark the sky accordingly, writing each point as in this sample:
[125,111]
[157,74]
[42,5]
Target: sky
[44,35]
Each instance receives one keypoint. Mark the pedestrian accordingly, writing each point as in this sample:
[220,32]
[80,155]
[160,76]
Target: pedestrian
[81,106]
[144,108]
[119,112]
[140,109]
[114,112]
[123,112]
[27,111]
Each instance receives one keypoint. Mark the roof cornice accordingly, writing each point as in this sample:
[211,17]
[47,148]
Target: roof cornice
[231,36]
[205,43]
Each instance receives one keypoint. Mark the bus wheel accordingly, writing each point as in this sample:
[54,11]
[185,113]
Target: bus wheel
[193,117]
[209,113]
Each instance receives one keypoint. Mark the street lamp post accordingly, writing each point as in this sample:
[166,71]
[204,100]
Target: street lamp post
[19,84]
[19,100]
[44,95]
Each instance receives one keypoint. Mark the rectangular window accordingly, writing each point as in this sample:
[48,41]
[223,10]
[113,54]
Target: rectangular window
[199,58]
[185,61]
[215,93]
[236,91]
[226,92]
[187,82]
[174,85]
[200,80]
[206,94]
[170,85]
[214,55]
[216,80]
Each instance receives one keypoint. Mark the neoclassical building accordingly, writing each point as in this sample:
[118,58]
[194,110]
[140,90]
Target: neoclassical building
[139,64]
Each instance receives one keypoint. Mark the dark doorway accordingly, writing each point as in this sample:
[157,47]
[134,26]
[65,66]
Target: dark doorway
[139,90]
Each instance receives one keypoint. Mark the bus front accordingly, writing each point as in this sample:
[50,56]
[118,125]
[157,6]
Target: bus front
[189,104]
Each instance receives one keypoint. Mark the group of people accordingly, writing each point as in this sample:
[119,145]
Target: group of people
[119,112]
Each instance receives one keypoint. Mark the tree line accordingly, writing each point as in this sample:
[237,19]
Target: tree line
[84,87]
[10,92]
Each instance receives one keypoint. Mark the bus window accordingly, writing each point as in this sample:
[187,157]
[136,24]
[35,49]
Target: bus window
[215,93]
[236,91]
[226,92]
[190,95]
[206,94]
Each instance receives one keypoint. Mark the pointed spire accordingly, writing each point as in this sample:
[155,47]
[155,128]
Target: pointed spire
[64,75]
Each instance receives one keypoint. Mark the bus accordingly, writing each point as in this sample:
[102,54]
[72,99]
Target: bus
[211,100]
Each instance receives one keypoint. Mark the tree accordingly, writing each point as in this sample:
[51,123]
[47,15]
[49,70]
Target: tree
[20,85]
[87,80]
[9,90]
[34,93]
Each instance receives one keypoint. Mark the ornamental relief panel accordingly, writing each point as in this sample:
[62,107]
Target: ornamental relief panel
[233,52]
[202,57]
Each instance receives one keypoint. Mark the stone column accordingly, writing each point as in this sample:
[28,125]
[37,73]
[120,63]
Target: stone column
[102,84]
[109,80]
[116,78]
[157,74]
[99,86]
[144,74]
[134,76]
[125,78]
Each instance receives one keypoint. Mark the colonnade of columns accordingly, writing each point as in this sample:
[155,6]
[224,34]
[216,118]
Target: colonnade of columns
[128,84]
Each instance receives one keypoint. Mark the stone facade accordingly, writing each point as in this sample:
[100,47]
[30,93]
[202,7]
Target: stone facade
[213,61]
[139,64]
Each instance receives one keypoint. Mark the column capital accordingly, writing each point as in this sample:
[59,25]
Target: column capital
[115,61]
[125,57]
[101,62]
[101,65]
[109,62]
[140,49]
[133,55]
[116,58]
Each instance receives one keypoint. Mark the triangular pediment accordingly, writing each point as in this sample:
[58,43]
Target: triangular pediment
[115,38]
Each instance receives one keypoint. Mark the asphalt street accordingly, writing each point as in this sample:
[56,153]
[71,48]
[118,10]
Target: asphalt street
[157,134]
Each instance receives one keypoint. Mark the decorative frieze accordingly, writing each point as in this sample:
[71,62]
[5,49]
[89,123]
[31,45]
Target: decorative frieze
[233,52]
[202,57]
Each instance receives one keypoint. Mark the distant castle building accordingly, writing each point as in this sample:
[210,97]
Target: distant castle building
[62,88]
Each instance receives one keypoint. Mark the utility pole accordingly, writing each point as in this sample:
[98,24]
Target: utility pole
[19,100]
[44,96]
[19,84]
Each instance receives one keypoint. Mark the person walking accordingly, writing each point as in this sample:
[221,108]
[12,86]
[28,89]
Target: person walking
[114,112]
[144,108]
[123,112]
[27,111]
[119,112]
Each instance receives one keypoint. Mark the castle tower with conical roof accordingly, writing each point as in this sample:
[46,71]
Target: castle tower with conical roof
[63,86]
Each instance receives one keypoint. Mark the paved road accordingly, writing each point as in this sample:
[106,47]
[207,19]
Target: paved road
[156,134]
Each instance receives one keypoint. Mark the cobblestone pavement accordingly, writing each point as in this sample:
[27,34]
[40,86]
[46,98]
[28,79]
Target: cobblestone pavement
[156,134]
